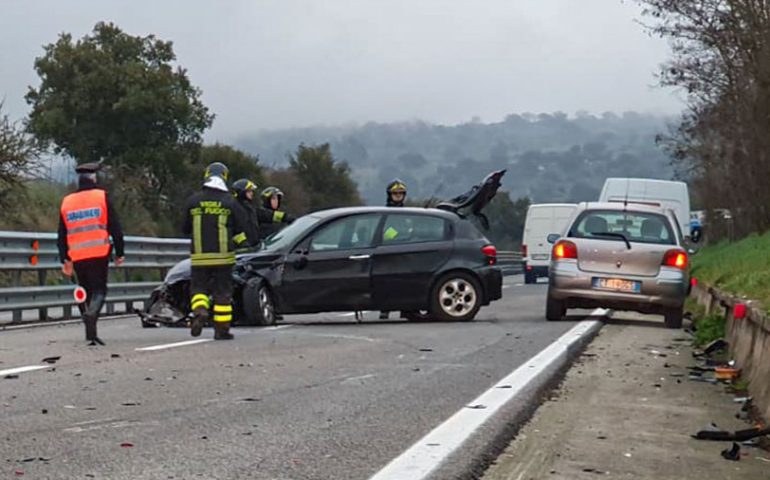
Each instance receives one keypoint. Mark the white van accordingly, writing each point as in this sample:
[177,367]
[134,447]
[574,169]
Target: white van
[659,193]
[542,220]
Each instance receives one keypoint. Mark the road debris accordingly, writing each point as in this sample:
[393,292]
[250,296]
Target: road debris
[712,432]
[51,360]
[733,453]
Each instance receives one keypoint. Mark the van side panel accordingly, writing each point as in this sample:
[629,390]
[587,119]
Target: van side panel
[543,220]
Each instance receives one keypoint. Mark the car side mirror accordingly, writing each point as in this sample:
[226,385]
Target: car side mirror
[300,262]
[553,238]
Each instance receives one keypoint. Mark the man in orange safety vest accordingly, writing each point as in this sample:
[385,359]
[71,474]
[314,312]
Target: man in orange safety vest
[87,220]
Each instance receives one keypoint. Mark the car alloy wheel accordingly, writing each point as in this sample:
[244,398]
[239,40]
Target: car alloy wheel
[458,297]
[266,306]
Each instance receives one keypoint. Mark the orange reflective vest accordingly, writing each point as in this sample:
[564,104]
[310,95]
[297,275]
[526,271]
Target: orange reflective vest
[85,215]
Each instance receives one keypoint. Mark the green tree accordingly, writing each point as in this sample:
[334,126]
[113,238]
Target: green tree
[19,156]
[506,220]
[326,182]
[240,164]
[119,98]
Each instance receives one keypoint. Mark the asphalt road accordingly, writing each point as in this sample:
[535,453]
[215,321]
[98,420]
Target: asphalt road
[321,397]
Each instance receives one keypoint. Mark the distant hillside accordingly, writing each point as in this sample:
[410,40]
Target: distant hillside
[550,157]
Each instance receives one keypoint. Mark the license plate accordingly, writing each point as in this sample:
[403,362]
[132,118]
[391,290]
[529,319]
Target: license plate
[540,256]
[617,284]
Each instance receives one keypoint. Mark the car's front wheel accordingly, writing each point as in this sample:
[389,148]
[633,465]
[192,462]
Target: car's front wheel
[673,317]
[555,309]
[258,306]
[456,296]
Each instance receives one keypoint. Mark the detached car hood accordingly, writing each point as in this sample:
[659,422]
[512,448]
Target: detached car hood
[475,199]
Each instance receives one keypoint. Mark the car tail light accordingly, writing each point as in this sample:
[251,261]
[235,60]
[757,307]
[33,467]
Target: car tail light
[564,249]
[490,252]
[523,250]
[675,258]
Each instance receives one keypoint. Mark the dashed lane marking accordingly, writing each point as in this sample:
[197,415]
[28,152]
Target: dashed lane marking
[17,370]
[173,345]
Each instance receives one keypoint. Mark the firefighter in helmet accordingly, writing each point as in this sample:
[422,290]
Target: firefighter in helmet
[396,195]
[396,192]
[270,215]
[244,191]
[217,226]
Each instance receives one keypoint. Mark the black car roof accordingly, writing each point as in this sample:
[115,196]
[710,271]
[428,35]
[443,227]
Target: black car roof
[340,212]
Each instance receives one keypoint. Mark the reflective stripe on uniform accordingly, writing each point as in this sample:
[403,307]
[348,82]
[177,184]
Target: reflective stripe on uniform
[220,318]
[197,234]
[278,216]
[86,228]
[200,300]
[91,243]
[224,244]
[223,308]
[213,262]
[240,238]
[212,259]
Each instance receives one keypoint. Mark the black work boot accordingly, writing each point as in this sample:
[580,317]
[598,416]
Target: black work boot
[90,323]
[200,315]
[222,331]
[92,313]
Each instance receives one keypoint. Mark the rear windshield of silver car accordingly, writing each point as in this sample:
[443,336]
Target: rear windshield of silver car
[639,227]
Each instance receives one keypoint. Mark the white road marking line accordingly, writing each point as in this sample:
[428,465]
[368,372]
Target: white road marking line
[519,284]
[422,458]
[345,337]
[506,286]
[29,368]
[173,345]
[356,379]
[278,327]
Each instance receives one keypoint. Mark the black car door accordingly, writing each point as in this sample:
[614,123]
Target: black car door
[413,247]
[331,270]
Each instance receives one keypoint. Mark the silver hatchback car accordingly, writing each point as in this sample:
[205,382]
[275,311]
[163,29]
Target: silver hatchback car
[619,256]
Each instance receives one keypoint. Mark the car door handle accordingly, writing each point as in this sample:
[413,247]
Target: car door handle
[359,257]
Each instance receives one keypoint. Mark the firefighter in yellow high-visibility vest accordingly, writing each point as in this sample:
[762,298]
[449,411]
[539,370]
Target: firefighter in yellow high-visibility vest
[216,225]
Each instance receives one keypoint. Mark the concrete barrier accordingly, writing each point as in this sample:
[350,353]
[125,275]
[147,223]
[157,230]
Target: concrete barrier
[749,340]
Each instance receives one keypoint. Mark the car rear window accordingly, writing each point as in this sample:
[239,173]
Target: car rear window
[407,228]
[640,227]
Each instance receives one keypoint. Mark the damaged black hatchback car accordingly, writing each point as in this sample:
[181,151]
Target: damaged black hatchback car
[428,263]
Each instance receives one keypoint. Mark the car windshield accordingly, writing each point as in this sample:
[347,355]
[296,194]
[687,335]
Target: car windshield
[288,235]
[639,227]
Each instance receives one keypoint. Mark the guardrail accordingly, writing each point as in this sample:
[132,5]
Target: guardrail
[510,262]
[37,252]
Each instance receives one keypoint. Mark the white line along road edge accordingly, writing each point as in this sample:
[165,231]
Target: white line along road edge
[172,345]
[30,368]
[433,449]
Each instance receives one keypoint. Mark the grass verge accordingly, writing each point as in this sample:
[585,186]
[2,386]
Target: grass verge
[741,268]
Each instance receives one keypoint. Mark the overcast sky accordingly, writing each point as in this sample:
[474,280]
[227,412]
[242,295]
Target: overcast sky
[279,63]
